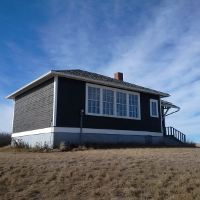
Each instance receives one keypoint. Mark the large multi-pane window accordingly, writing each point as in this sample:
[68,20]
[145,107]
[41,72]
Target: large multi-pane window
[154,108]
[94,100]
[121,104]
[133,105]
[108,102]
[112,102]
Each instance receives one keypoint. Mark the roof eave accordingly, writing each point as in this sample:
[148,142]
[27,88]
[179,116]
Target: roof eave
[30,85]
[108,84]
[53,73]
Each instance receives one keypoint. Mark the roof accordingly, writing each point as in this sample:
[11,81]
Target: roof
[169,104]
[88,77]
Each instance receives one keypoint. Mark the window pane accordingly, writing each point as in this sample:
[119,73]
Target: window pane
[89,96]
[154,108]
[89,90]
[104,95]
[155,112]
[108,102]
[121,104]
[93,109]
[94,100]
[133,105]
[89,103]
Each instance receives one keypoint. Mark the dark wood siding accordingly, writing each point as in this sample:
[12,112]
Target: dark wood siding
[34,108]
[71,99]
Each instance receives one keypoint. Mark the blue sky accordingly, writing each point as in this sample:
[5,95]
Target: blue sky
[154,43]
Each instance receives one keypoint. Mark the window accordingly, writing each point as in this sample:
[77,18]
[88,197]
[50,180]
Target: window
[153,108]
[108,102]
[111,102]
[121,104]
[94,100]
[133,105]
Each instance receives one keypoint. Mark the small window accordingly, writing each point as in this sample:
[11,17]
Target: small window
[94,100]
[121,104]
[108,102]
[133,105]
[153,108]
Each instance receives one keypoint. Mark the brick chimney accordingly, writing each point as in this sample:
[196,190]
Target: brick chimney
[118,76]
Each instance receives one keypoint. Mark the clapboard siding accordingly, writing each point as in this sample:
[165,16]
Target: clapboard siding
[34,108]
[71,99]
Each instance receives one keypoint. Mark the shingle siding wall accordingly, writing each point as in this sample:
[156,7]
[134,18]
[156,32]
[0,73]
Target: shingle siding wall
[34,108]
[71,99]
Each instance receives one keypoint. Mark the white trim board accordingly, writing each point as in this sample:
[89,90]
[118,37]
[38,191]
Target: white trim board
[33,132]
[161,117]
[87,131]
[55,96]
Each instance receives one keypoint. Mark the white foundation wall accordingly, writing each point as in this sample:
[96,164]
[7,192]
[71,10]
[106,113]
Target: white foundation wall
[39,140]
[54,135]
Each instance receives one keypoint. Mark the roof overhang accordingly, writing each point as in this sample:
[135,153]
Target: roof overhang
[31,85]
[52,73]
[168,105]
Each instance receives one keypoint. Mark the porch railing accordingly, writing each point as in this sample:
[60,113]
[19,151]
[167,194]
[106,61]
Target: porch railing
[177,134]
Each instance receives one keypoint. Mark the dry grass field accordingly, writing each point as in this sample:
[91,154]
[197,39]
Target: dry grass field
[138,173]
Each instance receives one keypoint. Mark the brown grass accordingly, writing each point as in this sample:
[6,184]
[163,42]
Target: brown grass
[139,173]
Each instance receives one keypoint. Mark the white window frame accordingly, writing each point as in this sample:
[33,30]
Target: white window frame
[86,108]
[103,102]
[155,101]
[121,104]
[133,105]
[115,100]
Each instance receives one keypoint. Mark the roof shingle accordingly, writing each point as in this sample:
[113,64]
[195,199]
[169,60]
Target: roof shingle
[108,80]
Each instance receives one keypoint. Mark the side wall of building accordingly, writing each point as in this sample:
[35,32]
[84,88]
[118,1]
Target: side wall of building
[34,108]
[71,99]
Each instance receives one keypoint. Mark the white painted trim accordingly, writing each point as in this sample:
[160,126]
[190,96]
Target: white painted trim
[87,131]
[31,85]
[55,97]
[33,132]
[161,116]
[13,116]
[115,108]
[155,101]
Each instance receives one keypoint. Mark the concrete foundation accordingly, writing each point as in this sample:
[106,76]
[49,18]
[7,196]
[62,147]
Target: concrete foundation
[105,138]
[54,139]
[36,140]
